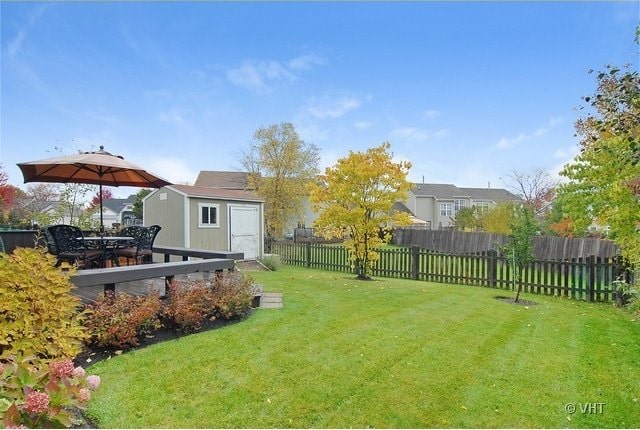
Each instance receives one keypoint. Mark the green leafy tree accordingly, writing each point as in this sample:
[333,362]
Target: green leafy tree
[280,164]
[519,246]
[603,184]
[355,199]
[468,219]
[498,219]
[137,204]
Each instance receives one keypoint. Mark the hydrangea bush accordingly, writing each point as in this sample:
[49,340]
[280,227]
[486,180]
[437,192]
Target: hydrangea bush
[37,394]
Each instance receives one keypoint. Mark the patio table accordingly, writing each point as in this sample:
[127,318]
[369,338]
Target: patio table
[108,245]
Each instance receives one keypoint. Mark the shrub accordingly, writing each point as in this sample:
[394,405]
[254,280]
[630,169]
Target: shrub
[39,315]
[271,261]
[190,304]
[35,394]
[118,321]
[233,294]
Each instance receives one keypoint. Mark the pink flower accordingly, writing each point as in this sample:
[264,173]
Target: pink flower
[36,402]
[84,395]
[93,381]
[79,372]
[61,369]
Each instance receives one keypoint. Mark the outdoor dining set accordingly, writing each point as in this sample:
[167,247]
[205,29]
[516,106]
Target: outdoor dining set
[132,244]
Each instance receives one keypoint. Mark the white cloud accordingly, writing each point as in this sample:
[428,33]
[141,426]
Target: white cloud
[332,106]
[418,134]
[260,76]
[556,120]
[510,142]
[15,45]
[276,71]
[174,170]
[362,125]
[172,116]
[248,76]
[311,133]
[306,62]
[566,155]
[431,114]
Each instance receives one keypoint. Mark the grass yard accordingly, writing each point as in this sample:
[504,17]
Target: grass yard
[387,353]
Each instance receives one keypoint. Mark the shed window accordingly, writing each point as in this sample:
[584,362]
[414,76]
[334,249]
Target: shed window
[208,215]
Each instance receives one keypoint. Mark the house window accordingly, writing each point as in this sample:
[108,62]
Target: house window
[459,204]
[446,209]
[208,215]
[482,206]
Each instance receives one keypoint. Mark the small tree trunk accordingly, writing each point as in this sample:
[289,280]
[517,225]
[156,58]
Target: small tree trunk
[517,277]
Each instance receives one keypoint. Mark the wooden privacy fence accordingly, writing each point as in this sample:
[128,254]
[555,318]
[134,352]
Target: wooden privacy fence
[544,247]
[591,278]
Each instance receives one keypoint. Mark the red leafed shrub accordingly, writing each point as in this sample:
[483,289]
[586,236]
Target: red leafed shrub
[119,320]
[232,294]
[190,304]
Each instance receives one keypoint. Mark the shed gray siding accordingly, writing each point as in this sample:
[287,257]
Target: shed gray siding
[208,237]
[168,213]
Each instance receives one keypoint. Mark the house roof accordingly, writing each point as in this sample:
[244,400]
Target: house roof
[116,205]
[439,191]
[222,179]
[401,207]
[494,194]
[450,191]
[215,193]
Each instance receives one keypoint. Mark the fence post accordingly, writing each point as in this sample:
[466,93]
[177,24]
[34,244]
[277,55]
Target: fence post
[415,261]
[591,261]
[308,254]
[492,268]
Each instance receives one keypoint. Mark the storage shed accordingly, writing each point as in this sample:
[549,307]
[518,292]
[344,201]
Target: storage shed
[207,218]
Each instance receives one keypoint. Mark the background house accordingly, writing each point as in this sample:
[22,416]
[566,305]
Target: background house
[207,218]
[438,204]
[117,211]
[223,179]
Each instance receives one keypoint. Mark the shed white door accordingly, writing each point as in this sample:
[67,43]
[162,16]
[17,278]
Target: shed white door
[244,229]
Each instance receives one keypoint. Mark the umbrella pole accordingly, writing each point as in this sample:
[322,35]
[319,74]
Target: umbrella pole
[101,221]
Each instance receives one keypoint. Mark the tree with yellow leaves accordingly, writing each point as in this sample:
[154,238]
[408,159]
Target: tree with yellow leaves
[280,164]
[355,199]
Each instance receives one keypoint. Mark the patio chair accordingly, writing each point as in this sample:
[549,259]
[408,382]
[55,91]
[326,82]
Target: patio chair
[51,244]
[69,245]
[142,252]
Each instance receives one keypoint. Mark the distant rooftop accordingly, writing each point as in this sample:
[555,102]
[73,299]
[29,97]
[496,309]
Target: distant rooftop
[116,205]
[222,179]
[450,191]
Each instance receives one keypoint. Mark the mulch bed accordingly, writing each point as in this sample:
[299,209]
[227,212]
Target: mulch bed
[93,354]
[511,301]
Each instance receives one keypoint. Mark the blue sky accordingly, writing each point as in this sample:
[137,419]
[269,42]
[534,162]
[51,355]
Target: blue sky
[466,91]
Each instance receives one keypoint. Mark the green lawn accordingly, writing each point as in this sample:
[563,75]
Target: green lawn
[387,353]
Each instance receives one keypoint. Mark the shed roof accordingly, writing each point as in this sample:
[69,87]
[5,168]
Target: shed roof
[216,193]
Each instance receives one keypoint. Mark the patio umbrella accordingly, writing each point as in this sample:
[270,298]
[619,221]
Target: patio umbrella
[98,168]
